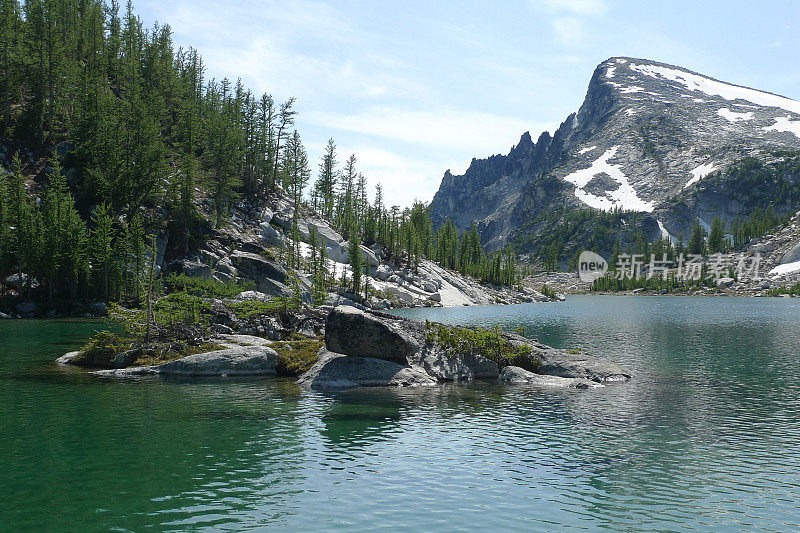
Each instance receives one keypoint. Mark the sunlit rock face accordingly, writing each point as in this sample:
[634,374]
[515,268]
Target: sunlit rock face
[645,138]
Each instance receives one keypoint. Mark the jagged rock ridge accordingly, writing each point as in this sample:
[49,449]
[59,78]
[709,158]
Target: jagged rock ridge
[646,133]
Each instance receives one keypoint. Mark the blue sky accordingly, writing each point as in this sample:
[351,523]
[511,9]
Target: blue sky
[416,87]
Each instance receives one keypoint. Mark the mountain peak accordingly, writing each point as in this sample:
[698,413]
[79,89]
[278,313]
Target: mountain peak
[637,77]
[646,132]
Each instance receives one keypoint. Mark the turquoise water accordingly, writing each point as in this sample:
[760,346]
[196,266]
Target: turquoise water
[705,437]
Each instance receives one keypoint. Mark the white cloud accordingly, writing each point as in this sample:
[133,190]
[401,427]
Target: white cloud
[403,178]
[472,131]
[568,30]
[577,7]
[422,144]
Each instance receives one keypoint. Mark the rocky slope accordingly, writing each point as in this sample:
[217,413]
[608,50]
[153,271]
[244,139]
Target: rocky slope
[254,246]
[645,139]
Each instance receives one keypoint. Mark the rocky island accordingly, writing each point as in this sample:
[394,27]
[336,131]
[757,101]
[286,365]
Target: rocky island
[369,349]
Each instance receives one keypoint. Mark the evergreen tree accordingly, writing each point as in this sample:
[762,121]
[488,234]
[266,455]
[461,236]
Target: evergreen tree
[102,238]
[697,239]
[356,262]
[327,181]
[716,236]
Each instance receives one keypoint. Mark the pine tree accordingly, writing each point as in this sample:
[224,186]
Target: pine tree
[716,236]
[102,238]
[356,262]
[697,239]
[222,154]
[285,118]
[327,181]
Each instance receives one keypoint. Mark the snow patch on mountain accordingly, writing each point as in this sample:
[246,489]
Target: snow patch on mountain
[664,233]
[711,87]
[587,149]
[785,124]
[624,197]
[700,172]
[788,268]
[733,116]
[610,72]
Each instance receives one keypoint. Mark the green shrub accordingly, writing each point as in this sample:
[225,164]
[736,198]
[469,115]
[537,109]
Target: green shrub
[182,308]
[101,350]
[793,290]
[250,308]
[296,357]
[165,353]
[207,288]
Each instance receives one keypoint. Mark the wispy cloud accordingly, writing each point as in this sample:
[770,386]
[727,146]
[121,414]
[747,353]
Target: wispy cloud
[576,7]
[568,18]
[568,30]
[471,130]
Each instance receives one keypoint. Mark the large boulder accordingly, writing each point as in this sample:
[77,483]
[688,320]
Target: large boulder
[517,375]
[266,215]
[190,267]
[447,367]
[324,232]
[267,231]
[400,293]
[369,257]
[20,281]
[283,217]
[353,332]
[383,272]
[27,309]
[235,361]
[337,371]
[269,276]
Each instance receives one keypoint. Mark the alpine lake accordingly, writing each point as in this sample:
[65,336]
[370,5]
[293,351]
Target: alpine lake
[705,436]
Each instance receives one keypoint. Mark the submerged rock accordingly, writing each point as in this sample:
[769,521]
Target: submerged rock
[578,365]
[517,375]
[337,371]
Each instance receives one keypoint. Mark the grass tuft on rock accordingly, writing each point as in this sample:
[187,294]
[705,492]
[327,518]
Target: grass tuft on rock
[101,350]
[297,356]
[489,343]
[171,352]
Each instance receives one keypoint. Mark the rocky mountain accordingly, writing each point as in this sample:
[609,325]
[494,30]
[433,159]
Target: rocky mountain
[651,138]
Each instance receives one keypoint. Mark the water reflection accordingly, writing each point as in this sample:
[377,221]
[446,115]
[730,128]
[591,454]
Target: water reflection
[704,437]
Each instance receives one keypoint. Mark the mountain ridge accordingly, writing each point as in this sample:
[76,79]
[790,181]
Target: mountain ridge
[646,133]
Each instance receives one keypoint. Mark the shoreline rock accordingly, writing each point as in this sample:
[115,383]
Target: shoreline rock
[516,375]
[237,361]
[338,371]
[375,349]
